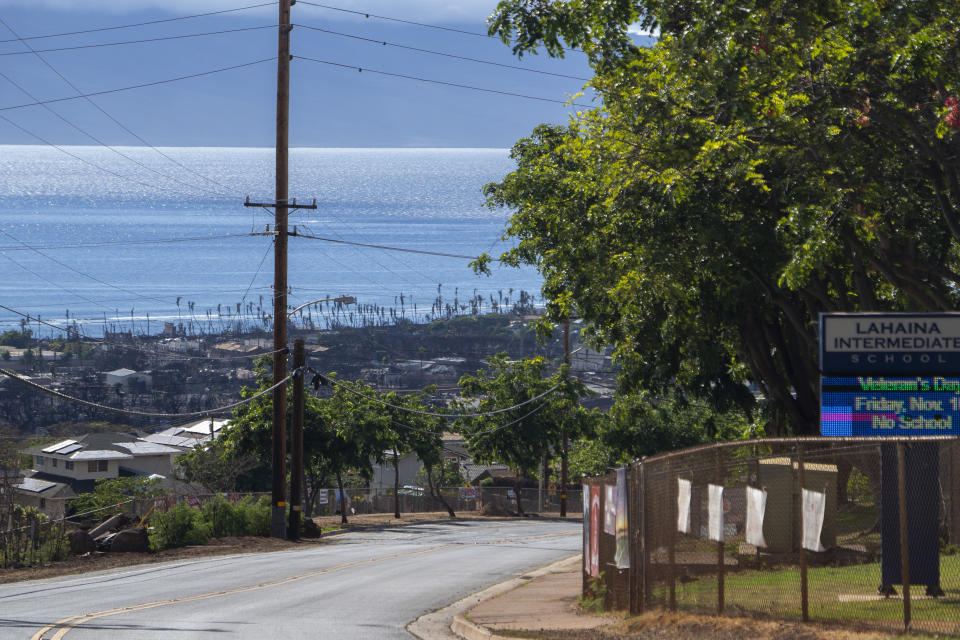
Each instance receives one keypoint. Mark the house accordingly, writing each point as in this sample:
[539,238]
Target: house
[73,466]
[128,379]
[186,437]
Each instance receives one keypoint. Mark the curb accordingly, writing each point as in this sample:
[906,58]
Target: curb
[461,627]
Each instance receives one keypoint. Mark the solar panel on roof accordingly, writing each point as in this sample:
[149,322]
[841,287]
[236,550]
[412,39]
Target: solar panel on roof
[70,449]
[59,445]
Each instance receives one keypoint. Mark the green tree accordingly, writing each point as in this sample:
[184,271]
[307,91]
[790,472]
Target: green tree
[759,164]
[111,492]
[525,435]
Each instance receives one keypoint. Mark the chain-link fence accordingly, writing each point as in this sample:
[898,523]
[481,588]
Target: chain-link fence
[804,529]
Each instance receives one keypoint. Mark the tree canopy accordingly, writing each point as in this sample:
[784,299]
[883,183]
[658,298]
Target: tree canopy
[759,164]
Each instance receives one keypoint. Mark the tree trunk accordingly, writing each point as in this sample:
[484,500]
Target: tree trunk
[342,499]
[396,484]
[516,491]
[435,491]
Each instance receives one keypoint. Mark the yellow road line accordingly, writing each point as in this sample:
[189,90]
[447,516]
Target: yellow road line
[63,626]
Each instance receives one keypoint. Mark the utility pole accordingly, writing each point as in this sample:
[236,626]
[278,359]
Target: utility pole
[566,442]
[281,207]
[296,442]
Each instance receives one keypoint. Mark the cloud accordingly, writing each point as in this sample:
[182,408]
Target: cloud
[438,11]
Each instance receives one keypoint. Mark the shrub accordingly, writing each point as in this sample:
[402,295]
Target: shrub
[594,600]
[256,515]
[177,527]
[222,519]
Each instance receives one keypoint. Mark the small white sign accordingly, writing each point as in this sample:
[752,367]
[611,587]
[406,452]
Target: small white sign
[683,505]
[323,497]
[756,508]
[715,512]
[814,506]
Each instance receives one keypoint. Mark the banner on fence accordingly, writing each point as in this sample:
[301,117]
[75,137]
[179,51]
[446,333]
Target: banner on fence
[715,512]
[595,531]
[468,493]
[683,505]
[814,506]
[610,509]
[622,556]
[756,507]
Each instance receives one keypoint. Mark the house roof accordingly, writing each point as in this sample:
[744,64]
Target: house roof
[121,372]
[102,446]
[49,486]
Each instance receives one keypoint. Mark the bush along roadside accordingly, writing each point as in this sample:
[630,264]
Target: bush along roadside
[182,525]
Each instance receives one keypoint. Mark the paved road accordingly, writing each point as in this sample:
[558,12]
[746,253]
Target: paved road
[359,585]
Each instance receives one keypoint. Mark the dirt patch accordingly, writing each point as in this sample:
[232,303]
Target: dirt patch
[98,561]
[677,626]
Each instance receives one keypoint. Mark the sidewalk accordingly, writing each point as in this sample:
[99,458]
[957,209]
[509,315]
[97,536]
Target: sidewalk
[547,602]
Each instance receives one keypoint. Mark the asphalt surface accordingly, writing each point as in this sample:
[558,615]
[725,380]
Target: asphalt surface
[358,585]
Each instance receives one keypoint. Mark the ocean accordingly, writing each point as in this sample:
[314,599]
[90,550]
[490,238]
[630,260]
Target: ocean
[129,239]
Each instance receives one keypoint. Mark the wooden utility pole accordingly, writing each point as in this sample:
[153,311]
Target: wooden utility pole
[566,443]
[296,441]
[281,208]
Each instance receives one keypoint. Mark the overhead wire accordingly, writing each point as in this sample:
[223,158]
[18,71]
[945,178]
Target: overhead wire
[111,117]
[141,85]
[82,273]
[129,42]
[384,247]
[367,14]
[123,243]
[97,140]
[338,384]
[443,82]
[143,24]
[148,414]
[444,54]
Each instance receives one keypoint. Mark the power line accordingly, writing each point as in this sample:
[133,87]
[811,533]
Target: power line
[145,414]
[384,247]
[484,414]
[126,42]
[367,14]
[121,243]
[77,271]
[94,138]
[440,82]
[109,116]
[139,86]
[141,24]
[441,53]
[59,148]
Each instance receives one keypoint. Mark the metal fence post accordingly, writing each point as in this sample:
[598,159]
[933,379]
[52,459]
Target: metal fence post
[804,595]
[904,542]
[720,567]
[644,546]
[672,541]
[633,526]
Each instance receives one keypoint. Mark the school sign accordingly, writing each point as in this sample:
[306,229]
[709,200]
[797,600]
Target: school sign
[890,374]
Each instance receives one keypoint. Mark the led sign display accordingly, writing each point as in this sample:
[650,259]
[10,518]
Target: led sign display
[890,406]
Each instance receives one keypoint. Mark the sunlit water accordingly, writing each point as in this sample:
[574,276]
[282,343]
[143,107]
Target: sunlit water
[100,240]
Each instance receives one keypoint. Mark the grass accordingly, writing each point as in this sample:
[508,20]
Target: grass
[776,593]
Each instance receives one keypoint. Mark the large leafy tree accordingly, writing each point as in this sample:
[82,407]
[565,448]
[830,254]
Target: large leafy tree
[759,164]
[520,432]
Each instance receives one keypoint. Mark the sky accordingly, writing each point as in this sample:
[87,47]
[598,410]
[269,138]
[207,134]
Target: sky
[331,105]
